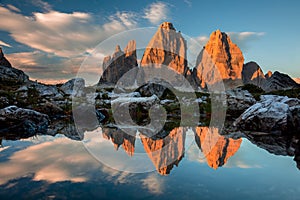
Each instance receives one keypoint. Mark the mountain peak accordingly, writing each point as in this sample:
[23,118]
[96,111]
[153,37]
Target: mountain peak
[3,61]
[223,54]
[167,25]
[118,48]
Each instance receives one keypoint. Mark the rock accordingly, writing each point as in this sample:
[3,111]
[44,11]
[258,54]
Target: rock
[157,88]
[216,148]
[11,76]
[41,90]
[239,100]
[167,48]
[73,87]
[252,74]
[23,122]
[120,63]
[4,102]
[86,117]
[278,145]
[3,61]
[279,81]
[65,127]
[51,109]
[273,114]
[220,60]
[166,152]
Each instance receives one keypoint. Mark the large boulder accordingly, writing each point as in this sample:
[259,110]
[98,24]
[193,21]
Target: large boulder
[273,114]
[239,100]
[73,87]
[22,122]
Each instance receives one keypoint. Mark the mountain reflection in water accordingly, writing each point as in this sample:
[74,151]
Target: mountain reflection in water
[52,162]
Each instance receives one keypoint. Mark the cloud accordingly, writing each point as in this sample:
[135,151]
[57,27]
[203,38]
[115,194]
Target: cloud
[42,4]
[47,68]
[13,8]
[4,44]
[154,183]
[188,2]
[61,40]
[57,159]
[243,39]
[63,34]
[156,12]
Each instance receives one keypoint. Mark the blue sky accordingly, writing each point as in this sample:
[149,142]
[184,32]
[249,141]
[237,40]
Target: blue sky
[49,39]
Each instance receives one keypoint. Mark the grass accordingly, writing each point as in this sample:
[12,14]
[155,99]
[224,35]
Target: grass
[257,92]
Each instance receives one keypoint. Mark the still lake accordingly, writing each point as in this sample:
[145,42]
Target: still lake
[47,167]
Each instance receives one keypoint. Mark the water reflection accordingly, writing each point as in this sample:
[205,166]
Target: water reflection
[167,148]
[58,164]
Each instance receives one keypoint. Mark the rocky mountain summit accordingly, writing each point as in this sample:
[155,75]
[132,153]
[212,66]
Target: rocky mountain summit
[168,48]
[220,60]
[121,62]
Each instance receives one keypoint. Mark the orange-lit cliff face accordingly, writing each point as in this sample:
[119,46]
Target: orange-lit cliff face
[167,47]
[118,137]
[216,148]
[221,59]
[166,152]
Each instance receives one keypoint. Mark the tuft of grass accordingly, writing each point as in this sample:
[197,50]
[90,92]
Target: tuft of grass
[254,90]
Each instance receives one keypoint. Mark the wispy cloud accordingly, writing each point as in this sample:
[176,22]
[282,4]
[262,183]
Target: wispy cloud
[188,2]
[63,34]
[243,39]
[13,8]
[42,4]
[47,68]
[157,12]
[4,44]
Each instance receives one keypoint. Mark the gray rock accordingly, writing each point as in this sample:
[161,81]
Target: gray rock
[4,101]
[23,122]
[273,114]
[9,75]
[73,87]
[239,100]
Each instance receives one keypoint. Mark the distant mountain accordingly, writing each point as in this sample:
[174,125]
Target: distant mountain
[279,81]
[253,74]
